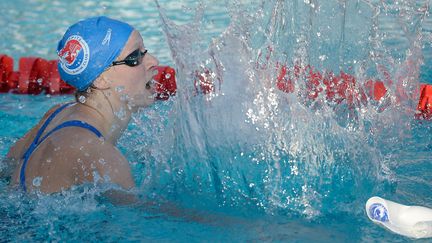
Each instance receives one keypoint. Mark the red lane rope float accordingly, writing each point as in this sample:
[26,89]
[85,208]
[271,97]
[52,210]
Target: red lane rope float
[6,69]
[166,85]
[337,87]
[36,75]
[343,87]
[204,80]
[425,103]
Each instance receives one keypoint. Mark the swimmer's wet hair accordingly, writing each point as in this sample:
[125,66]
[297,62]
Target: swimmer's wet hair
[81,96]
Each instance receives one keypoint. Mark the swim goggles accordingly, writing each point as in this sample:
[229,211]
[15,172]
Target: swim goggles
[133,59]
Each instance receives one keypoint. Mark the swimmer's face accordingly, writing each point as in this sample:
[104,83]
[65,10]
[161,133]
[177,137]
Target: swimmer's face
[134,84]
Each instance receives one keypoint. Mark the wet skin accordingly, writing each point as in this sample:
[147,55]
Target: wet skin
[74,155]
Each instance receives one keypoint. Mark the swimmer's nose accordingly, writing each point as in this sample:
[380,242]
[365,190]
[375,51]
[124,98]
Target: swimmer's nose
[150,61]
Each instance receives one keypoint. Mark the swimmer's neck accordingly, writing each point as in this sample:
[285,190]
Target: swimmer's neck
[108,113]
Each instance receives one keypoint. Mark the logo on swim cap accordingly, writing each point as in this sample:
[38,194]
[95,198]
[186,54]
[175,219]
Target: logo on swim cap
[378,212]
[74,57]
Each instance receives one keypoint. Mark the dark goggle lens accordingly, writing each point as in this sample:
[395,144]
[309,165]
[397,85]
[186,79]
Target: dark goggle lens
[134,59]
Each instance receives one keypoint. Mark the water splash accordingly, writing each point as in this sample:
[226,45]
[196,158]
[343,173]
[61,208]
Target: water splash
[247,143]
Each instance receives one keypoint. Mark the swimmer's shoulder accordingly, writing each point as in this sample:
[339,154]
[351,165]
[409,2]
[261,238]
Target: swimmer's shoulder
[17,150]
[111,164]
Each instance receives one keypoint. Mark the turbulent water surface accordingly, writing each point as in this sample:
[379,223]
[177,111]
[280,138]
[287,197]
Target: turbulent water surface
[245,161]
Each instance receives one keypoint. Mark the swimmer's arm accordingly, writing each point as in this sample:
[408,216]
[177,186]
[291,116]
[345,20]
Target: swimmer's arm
[112,165]
[161,206]
[117,168]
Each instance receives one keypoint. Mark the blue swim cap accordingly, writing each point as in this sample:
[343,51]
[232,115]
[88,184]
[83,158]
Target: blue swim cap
[89,47]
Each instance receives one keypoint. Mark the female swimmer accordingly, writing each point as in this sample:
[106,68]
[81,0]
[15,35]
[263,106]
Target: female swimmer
[106,61]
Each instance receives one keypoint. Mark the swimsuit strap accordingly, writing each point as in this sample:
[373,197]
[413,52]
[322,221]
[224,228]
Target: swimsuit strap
[46,123]
[73,123]
[36,141]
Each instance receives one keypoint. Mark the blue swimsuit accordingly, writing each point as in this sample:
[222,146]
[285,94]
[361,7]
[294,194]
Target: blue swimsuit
[37,141]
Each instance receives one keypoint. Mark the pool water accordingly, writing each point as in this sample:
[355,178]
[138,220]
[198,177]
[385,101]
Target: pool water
[248,162]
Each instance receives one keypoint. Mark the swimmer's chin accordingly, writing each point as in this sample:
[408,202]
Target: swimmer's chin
[143,101]
[153,96]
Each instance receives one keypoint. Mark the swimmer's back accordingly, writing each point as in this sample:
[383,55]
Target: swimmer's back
[18,149]
[71,155]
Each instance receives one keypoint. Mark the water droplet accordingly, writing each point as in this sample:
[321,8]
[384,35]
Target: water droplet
[124,97]
[96,176]
[114,128]
[121,113]
[119,89]
[106,178]
[102,161]
[168,75]
[37,181]
[48,160]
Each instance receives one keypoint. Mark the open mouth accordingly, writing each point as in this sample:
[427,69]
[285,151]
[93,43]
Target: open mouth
[148,84]
[152,81]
